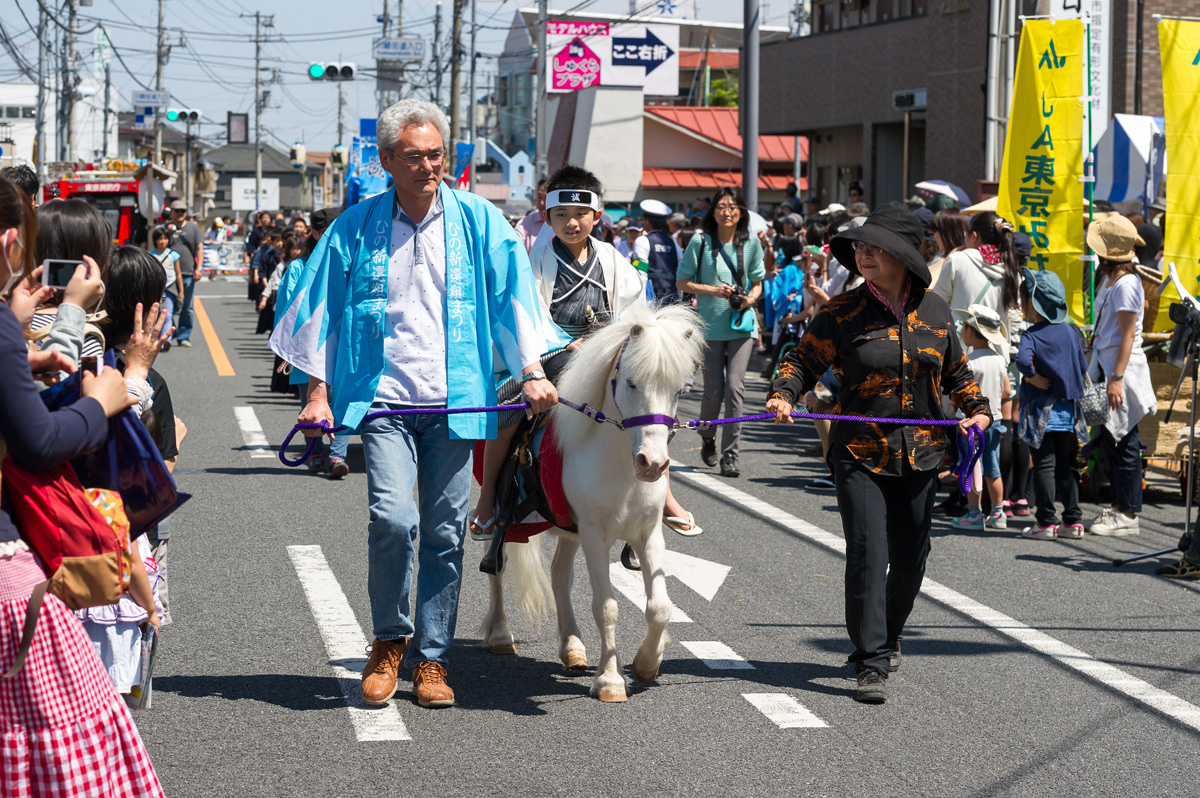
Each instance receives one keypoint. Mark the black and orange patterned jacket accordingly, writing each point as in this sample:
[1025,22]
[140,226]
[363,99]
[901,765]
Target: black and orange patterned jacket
[885,370]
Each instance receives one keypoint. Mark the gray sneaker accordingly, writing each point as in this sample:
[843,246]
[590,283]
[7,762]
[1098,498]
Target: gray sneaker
[729,466]
[1114,525]
[185,343]
[896,658]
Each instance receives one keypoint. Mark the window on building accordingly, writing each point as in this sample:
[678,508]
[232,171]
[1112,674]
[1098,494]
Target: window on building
[28,112]
[12,112]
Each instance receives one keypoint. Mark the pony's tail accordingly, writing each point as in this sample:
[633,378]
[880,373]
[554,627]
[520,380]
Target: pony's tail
[532,581]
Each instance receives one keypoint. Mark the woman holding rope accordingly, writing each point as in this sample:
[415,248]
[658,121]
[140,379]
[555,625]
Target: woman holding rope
[893,347]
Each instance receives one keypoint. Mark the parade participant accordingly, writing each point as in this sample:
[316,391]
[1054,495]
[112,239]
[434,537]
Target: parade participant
[412,289]
[1052,364]
[985,332]
[658,251]
[187,240]
[583,284]
[60,705]
[723,267]
[892,345]
[1119,362]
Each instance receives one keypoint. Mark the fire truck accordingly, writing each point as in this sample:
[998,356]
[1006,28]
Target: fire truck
[114,194]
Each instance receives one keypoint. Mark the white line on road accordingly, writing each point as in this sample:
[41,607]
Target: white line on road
[1107,675]
[252,433]
[345,643]
[633,587]
[785,711]
[717,655]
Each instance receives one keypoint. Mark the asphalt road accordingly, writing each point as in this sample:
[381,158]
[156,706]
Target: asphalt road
[1031,667]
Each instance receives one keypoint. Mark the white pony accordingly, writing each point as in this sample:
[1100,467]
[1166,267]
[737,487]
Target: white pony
[614,484]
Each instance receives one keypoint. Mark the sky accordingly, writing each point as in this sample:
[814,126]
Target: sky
[211,65]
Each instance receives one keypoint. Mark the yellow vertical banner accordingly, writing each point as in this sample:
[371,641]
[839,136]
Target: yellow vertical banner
[1179,48]
[1040,190]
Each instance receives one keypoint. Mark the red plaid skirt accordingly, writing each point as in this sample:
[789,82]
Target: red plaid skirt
[64,730]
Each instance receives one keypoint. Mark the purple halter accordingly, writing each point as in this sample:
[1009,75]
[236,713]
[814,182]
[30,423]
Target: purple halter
[649,419]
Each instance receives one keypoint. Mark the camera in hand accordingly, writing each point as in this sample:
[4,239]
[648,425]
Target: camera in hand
[739,300]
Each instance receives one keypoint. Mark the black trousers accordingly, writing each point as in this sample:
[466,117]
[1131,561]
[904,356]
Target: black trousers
[1051,471]
[886,521]
[1125,466]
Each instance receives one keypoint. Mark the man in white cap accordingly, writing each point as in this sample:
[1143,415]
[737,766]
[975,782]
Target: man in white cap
[658,250]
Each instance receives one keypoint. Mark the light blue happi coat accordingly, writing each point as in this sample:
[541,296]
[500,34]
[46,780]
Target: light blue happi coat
[335,323]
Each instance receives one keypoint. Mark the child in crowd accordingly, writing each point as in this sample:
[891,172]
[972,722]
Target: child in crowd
[169,258]
[983,330]
[1052,365]
[583,283]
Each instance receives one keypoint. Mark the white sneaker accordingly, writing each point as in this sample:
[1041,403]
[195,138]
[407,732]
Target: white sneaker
[1039,532]
[1114,525]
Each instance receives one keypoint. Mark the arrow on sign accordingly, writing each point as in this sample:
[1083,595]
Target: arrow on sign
[649,52]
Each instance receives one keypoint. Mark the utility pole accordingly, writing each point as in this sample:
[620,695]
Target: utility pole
[541,132]
[39,135]
[260,21]
[471,106]
[437,55]
[748,99]
[455,79]
[158,84]
[68,91]
[107,105]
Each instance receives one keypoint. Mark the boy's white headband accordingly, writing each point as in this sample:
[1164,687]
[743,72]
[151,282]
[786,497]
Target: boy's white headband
[573,196]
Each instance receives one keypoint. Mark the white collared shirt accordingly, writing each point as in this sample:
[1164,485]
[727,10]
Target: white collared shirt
[415,316]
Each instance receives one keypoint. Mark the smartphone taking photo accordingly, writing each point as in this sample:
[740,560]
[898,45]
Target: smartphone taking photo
[92,363]
[57,273]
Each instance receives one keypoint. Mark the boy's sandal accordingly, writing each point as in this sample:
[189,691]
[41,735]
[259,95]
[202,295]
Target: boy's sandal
[487,529]
[684,526]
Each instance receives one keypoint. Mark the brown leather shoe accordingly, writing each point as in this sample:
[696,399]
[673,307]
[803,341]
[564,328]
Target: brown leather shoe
[429,685]
[379,674]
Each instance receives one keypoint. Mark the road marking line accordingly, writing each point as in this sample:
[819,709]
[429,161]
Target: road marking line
[1108,675]
[252,433]
[785,711]
[220,359]
[633,587]
[717,655]
[346,645]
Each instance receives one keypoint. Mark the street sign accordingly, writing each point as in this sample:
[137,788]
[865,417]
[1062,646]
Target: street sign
[144,120]
[648,52]
[154,99]
[406,48]
[909,100]
[237,128]
[641,55]
[242,194]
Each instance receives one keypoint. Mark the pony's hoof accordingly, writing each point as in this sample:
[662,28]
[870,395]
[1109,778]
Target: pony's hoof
[644,677]
[575,661]
[613,695]
[503,648]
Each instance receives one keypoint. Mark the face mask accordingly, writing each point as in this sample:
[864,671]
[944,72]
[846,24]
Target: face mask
[14,278]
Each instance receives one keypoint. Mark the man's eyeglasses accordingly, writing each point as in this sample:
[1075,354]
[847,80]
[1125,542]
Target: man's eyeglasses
[435,158]
[866,249]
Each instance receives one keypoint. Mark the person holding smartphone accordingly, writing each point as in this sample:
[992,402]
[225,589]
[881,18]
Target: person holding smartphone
[723,267]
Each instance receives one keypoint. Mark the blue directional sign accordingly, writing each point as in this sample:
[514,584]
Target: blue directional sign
[649,52]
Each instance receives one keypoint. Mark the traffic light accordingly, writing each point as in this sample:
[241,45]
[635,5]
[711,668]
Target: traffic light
[298,155]
[183,115]
[332,70]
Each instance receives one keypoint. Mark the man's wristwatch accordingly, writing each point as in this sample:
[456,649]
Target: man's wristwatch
[536,374]
[1115,377]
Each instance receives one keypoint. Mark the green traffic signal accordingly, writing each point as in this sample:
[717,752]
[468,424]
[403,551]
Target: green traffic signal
[173,115]
[316,71]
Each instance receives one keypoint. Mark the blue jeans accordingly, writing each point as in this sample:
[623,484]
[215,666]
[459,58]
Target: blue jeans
[183,330]
[403,451]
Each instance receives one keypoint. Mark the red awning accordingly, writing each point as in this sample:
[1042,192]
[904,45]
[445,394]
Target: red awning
[721,125]
[717,59]
[711,179]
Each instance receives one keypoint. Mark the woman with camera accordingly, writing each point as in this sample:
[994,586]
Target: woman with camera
[723,268]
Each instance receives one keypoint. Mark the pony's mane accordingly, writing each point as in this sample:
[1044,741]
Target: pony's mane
[667,351]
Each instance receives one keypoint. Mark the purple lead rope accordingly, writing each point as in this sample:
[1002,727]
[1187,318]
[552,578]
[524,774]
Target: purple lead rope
[970,449]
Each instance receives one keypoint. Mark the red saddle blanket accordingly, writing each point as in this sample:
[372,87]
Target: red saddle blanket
[549,469]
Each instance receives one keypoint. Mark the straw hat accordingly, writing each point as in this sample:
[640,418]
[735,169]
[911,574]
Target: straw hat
[1114,238]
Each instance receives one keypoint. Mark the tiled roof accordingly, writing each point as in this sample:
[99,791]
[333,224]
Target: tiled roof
[721,125]
[711,179]
[717,59]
